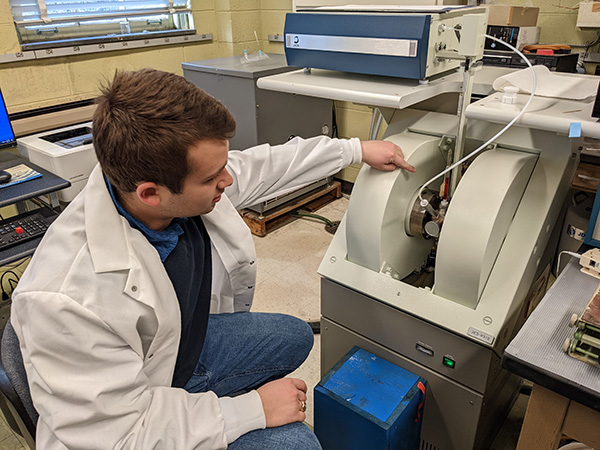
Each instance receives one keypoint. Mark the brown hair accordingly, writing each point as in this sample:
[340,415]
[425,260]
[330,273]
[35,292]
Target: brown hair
[146,121]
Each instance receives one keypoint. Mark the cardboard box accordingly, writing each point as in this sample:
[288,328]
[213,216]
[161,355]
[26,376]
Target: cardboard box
[514,16]
[589,15]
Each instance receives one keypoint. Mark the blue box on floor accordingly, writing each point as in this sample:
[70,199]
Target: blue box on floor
[366,402]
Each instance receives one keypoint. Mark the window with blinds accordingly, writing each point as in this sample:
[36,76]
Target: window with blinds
[56,23]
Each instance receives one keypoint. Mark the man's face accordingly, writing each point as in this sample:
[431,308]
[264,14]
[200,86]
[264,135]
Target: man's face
[205,183]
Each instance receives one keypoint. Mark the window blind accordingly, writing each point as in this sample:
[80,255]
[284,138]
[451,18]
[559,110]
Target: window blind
[45,21]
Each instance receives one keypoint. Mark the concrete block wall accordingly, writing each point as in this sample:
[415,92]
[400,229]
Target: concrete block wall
[33,84]
[237,20]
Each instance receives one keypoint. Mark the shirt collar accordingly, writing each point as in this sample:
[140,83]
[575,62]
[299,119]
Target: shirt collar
[163,241]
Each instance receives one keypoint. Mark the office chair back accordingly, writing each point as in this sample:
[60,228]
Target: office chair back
[14,387]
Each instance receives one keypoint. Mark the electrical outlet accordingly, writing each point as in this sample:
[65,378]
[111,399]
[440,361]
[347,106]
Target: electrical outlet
[276,37]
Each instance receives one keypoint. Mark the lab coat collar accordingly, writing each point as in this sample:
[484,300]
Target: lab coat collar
[101,215]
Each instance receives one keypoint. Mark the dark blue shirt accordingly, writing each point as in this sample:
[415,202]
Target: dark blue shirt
[190,271]
[184,249]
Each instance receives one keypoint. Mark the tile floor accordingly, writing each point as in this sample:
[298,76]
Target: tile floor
[8,439]
[288,259]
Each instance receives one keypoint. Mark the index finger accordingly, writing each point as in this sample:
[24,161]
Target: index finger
[401,162]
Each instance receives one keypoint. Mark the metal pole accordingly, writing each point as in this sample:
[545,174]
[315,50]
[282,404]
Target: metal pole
[463,102]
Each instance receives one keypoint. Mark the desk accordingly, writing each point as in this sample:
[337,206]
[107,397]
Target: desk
[17,194]
[48,183]
[566,392]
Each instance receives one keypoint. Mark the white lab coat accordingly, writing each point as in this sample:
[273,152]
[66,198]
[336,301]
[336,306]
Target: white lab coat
[99,322]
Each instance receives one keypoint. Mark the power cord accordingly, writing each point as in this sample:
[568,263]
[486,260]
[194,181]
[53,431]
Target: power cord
[497,135]
[330,227]
[334,125]
[572,254]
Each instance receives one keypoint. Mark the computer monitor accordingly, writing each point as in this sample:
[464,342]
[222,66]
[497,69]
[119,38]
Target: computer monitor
[7,136]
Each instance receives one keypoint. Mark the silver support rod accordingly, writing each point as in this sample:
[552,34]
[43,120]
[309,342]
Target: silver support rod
[378,126]
[463,102]
[375,124]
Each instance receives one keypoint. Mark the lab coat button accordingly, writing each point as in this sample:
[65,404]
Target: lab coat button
[150,356]
[133,288]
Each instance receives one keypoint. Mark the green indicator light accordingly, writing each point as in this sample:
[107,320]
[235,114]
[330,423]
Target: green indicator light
[448,362]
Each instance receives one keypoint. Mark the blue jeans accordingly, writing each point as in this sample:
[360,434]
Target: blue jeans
[243,351]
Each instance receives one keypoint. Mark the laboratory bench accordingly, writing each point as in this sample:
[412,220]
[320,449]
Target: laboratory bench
[565,398]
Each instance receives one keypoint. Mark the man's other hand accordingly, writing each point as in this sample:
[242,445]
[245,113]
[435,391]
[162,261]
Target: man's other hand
[384,155]
[282,401]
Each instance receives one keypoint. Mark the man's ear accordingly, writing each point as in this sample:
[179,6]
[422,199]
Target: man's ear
[149,193]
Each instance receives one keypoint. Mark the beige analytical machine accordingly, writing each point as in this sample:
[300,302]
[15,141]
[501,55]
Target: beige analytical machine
[438,280]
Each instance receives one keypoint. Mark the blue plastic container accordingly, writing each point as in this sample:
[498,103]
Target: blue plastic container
[366,402]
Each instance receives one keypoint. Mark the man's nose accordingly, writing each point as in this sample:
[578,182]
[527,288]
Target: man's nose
[227,180]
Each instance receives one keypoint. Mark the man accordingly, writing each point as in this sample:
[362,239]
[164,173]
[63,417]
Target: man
[117,311]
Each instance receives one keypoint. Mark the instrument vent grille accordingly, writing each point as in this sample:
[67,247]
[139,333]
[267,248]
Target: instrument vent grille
[427,446]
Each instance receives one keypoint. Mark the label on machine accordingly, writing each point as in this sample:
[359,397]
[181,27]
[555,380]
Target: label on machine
[371,46]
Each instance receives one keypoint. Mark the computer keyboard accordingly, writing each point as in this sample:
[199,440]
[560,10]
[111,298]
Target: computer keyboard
[24,227]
